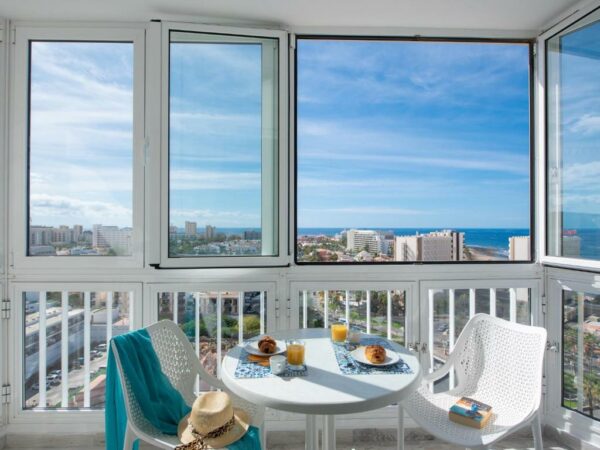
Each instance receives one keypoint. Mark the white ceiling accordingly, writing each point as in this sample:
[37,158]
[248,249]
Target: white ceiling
[441,14]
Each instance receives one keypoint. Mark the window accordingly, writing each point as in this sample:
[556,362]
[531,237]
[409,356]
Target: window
[573,134]
[65,343]
[76,148]
[581,346]
[80,149]
[412,151]
[223,148]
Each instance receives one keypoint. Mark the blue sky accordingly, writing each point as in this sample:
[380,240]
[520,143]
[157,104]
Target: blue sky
[390,134]
[577,69]
[81,133]
[412,134]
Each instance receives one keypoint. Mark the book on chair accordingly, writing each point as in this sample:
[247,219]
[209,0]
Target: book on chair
[470,413]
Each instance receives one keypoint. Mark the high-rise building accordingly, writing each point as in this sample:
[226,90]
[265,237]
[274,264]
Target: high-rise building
[77,232]
[115,238]
[62,235]
[191,228]
[359,240]
[250,235]
[40,235]
[519,248]
[209,233]
[446,245]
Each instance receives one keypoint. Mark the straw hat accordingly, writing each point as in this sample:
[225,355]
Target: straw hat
[212,423]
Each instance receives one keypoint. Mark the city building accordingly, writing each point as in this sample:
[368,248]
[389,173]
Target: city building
[446,245]
[115,238]
[40,236]
[359,240]
[519,248]
[77,233]
[252,235]
[209,233]
[191,229]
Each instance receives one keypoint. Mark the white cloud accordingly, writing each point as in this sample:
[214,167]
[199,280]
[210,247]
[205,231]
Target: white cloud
[190,179]
[212,217]
[365,210]
[55,210]
[586,124]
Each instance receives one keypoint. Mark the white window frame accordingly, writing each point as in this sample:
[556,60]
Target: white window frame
[574,14]
[281,256]
[571,422]
[4,114]
[18,157]
[46,419]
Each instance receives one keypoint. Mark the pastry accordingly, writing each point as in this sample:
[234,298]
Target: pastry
[375,353]
[267,345]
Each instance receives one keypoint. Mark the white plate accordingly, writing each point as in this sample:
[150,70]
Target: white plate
[391,357]
[252,348]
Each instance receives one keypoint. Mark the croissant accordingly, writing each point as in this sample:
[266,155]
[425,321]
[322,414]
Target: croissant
[267,345]
[375,353]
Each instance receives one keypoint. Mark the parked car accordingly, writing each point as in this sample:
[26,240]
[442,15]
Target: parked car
[101,347]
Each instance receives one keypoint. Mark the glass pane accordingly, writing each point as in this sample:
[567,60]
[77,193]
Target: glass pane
[440,347]
[503,303]
[523,306]
[399,317]
[461,310]
[80,149]
[252,313]
[223,137]
[229,321]
[482,301]
[80,332]
[573,127]
[399,141]
[581,346]
[379,301]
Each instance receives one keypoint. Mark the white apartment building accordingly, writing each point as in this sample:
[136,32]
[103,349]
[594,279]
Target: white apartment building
[444,245]
[191,228]
[359,240]
[118,239]
[519,248]
[209,232]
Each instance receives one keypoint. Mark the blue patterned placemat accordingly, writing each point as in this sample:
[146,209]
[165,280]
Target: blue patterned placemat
[349,366]
[249,369]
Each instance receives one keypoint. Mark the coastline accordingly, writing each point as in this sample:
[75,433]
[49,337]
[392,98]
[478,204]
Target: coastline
[482,253]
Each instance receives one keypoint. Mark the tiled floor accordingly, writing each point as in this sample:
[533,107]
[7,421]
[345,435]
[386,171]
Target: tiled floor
[385,442]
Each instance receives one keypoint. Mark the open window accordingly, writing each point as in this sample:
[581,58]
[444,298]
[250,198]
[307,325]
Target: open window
[413,150]
[224,137]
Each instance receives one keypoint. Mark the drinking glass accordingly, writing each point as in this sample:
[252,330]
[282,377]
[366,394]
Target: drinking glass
[339,332]
[295,354]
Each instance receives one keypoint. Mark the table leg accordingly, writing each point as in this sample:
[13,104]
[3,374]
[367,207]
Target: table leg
[311,436]
[400,427]
[329,433]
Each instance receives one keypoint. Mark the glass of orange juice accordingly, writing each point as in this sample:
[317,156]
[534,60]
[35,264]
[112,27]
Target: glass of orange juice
[295,354]
[339,332]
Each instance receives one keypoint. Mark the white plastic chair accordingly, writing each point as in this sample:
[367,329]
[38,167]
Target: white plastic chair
[496,362]
[180,364]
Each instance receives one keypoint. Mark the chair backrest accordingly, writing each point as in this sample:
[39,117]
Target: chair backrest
[178,362]
[501,361]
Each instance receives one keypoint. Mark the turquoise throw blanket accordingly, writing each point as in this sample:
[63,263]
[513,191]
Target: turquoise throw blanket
[162,404]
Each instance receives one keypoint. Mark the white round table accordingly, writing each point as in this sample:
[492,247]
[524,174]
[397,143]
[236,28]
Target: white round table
[324,390]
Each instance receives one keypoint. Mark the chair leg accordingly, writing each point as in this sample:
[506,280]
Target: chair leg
[263,436]
[400,444]
[537,433]
[129,439]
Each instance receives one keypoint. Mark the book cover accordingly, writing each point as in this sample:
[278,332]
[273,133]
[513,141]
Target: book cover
[470,412]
